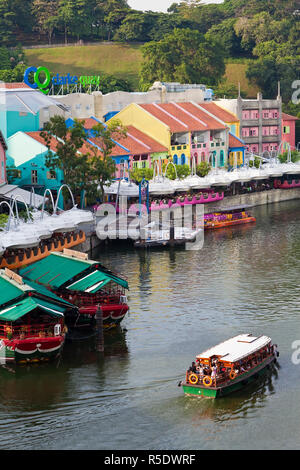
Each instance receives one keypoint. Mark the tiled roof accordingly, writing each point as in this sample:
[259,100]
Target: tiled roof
[235,141]
[85,149]
[182,117]
[219,112]
[288,117]
[211,123]
[14,86]
[89,123]
[138,142]
[117,150]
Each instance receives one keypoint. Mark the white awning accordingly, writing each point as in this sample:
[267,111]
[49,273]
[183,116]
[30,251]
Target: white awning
[236,348]
[10,191]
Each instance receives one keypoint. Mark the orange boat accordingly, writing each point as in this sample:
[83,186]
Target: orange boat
[227,218]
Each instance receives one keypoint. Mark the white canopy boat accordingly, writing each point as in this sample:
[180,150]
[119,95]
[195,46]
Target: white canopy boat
[17,239]
[123,188]
[78,216]
[58,224]
[242,175]
[36,229]
[291,168]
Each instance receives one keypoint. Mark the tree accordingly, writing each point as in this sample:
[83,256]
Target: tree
[6,22]
[225,34]
[103,166]
[137,174]
[71,155]
[184,56]
[266,73]
[13,75]
[182,171]
[112,12]
[203,169]
[45,13]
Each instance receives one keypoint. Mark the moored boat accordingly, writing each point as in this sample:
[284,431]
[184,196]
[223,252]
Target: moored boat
[229,366]
[227,217]
[85,283]
[32,325]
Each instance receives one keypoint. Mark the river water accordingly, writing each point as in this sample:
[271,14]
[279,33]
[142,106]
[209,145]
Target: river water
[245,279]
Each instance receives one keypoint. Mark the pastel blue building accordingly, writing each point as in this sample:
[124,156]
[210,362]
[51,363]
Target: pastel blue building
[26,161]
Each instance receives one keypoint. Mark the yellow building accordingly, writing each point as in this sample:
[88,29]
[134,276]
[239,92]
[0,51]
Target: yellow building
[186,129]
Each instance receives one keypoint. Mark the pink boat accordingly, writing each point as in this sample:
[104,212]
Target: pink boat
[286,184]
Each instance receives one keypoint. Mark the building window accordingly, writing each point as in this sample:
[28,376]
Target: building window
[175,159]
[182,159]
[34,177]
[286,129]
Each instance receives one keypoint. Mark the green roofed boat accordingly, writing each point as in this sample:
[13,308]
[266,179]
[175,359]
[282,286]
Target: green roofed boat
[32,327]
[85,283]
[229,366]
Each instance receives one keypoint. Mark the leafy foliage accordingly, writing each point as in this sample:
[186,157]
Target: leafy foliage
[203,169]
[182,171]
[137,174]
[183,56]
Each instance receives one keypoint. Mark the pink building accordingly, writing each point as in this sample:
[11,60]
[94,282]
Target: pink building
[289,130]
[3,149]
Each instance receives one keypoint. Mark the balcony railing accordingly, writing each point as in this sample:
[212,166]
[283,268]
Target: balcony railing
[199,146]
[31,331]
[178,147]
[217,144]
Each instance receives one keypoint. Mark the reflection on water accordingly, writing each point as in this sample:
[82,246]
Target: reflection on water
[245,279]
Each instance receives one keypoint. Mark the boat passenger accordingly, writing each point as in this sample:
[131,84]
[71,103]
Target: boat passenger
[193,368]
[214,373]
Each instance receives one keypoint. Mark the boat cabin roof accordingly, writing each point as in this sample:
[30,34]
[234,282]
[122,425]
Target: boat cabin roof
[59,269]
[236,348]
[18,298]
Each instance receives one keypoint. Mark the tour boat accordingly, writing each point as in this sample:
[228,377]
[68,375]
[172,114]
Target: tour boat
[17,257]
[227,217]
[84,283]
[31,321]
[159,235]
[229,366]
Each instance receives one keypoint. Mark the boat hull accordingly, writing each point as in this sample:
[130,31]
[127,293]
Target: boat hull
[230,387]
[113,314]
[229,223]
[31,349]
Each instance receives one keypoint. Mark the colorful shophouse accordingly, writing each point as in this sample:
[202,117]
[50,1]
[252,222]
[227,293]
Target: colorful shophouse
[236,151]
[3,148]
[136,150]
[12,121]
[186,129]
[26,158]
[289,131]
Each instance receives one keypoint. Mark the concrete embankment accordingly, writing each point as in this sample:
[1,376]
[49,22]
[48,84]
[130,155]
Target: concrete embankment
[254,199]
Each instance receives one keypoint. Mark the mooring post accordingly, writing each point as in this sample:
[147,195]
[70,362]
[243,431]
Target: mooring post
[172,230]
[99,333]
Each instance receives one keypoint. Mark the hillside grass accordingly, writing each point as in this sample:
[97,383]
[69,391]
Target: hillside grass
[236,73]
[121,60]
